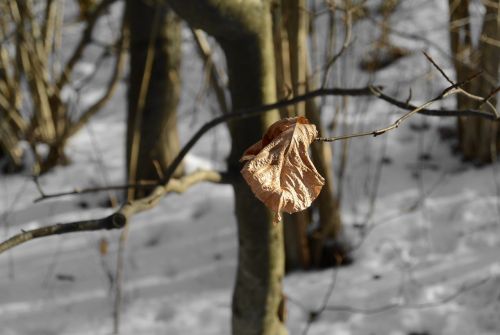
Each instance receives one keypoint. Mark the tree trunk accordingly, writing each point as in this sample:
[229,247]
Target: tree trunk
[243,30]
[153,94]
[257,294]
[301,251]
[330,223]
[294,42]
[479,139]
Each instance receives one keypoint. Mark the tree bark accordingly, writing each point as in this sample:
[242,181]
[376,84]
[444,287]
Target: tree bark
[302,251]
[479,139]
[295,20]
[153,93]
[330,223]
[243,30]
[257,293]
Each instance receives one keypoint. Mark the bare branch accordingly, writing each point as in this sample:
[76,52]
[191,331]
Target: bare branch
[214,74]
[144,184]
[113,221]
[455,88]
[493,92]
[118,219]
[365,91]
[394,125]
[429,58]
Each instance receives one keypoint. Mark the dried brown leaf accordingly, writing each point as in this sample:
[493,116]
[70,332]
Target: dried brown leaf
[278,168]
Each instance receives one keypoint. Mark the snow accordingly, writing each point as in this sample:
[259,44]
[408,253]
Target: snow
[428,244]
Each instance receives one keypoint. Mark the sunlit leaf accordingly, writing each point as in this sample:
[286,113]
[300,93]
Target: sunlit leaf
[278,168]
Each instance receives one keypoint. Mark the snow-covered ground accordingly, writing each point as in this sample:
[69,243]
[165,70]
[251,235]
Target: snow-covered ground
[427,257]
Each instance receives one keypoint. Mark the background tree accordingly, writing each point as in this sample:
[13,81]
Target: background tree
[304,247]
[31,58]
[479,140]
[153,93]
[244,32]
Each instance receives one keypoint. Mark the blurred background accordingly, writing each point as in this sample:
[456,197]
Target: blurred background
[102,94]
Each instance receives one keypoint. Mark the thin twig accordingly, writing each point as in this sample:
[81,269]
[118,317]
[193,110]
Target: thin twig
[489,96]
[370,227]
[315,314]
[453,89]
[214,74]
[111,87]
[119,274]
[38,186]
[393,126]
[345,44]
[365,91]
[404,305]
[118,219]
[226,178]
[429,58]
[85,40]
[401,304]
[250,112]
[77,191]
[376,181]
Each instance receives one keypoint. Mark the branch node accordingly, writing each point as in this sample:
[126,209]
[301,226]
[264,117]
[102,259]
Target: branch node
[118,220]
[375,90]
